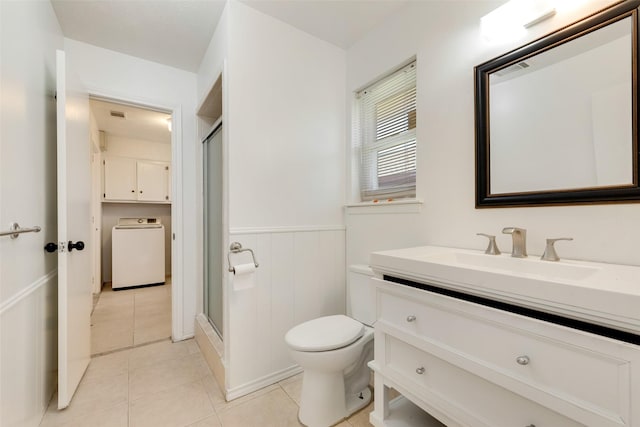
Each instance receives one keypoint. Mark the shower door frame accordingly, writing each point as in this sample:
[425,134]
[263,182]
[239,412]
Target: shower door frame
[217,128]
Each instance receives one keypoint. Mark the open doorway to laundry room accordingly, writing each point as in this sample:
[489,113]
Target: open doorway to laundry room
[132,175]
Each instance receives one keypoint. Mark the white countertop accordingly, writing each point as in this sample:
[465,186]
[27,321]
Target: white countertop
[604,294]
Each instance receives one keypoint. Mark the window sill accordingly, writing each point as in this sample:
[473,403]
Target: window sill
[401,206]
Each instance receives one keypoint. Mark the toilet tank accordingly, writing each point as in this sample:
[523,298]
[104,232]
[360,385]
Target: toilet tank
[362,294]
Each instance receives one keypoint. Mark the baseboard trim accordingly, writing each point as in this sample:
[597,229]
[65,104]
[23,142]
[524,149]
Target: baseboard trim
[24,293]
[250,387]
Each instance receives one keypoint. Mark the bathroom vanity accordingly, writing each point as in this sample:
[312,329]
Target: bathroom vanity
[490,341]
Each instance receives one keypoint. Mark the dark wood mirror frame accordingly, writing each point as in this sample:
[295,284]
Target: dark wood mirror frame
[621,194]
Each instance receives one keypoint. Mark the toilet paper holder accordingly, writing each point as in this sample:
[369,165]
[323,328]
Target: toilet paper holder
[236,248]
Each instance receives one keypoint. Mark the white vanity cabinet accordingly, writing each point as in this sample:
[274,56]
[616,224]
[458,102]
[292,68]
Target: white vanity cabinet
[469,364]
[136,180]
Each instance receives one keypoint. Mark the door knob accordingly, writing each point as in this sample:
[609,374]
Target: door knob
[50,247]
[79,245]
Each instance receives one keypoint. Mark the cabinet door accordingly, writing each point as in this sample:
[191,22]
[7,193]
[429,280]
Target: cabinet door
[152,181]
[119,178]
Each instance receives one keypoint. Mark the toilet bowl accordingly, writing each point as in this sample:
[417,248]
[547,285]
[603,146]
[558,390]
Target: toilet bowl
[333,352]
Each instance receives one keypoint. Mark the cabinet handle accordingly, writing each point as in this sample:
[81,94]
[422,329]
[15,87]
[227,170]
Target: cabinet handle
[140,191]
[133,191]
[411,318]
[420,370]
[523,360]
[531,425]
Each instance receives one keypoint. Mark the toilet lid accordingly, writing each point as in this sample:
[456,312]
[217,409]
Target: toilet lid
[324,333]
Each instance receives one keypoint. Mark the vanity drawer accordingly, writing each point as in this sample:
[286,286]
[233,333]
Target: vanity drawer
[578,374]
[476,402]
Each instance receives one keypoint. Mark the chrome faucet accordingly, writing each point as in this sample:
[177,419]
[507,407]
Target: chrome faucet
[519,237]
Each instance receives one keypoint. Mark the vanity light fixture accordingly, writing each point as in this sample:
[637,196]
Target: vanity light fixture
[511,20]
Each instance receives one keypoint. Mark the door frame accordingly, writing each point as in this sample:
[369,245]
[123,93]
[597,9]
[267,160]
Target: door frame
[177,239]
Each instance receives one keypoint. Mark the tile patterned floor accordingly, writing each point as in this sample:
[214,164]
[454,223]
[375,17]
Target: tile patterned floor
[129,317]
[166,384]
[139,378]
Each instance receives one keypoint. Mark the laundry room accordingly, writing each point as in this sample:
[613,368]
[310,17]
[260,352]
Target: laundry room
[132,217]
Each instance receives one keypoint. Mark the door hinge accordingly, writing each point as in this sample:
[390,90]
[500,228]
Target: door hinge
[174,236]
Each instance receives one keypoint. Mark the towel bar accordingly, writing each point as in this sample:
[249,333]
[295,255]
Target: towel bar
[15,231]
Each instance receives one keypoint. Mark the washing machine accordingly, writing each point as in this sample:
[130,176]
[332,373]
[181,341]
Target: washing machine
[137,252]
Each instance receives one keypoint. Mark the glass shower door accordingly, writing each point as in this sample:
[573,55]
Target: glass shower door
[213,251]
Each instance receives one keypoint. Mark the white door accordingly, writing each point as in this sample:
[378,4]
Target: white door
[74,227]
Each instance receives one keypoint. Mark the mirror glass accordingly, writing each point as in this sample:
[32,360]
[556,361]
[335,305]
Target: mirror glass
[555,120]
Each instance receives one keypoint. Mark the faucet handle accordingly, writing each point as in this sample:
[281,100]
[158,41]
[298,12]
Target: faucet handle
[492,249]
[550,253]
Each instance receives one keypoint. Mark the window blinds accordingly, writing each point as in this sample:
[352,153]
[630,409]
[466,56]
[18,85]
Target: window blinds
[386,128]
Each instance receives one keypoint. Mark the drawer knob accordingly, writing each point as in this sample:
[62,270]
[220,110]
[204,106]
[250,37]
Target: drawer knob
[420,370]
[411,318]
[523,360]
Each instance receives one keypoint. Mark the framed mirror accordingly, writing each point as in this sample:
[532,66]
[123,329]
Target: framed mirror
[557,119]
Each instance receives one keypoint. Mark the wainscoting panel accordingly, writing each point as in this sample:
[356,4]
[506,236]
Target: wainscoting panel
[28,359]
[301,276]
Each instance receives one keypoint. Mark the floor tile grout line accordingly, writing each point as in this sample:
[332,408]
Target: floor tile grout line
[131,347]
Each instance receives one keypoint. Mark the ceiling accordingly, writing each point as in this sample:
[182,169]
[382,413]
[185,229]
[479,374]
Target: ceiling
[339,22]
[177,32]
[138,123]
[171,32]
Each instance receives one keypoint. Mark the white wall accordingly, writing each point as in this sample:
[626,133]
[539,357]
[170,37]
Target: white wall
[283,115]
[286,117]
[29,36]
[213,59]
[445,37]
[115,75]
[137,148]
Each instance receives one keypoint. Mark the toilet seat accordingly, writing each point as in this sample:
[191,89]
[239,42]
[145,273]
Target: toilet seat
[324,333]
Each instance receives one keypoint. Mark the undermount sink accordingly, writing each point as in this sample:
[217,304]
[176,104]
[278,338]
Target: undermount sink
[517,266]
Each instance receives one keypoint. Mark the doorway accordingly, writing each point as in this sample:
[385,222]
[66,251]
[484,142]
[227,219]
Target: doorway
[133,296]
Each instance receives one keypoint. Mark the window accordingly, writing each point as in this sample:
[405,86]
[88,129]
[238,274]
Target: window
[386,136]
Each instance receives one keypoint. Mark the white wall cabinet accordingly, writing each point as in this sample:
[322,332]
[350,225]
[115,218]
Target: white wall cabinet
[136,180]
[472,365]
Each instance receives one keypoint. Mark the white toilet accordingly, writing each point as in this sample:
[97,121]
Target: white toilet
[334,351]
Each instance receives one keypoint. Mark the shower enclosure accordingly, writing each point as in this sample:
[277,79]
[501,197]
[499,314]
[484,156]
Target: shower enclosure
[213,251]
